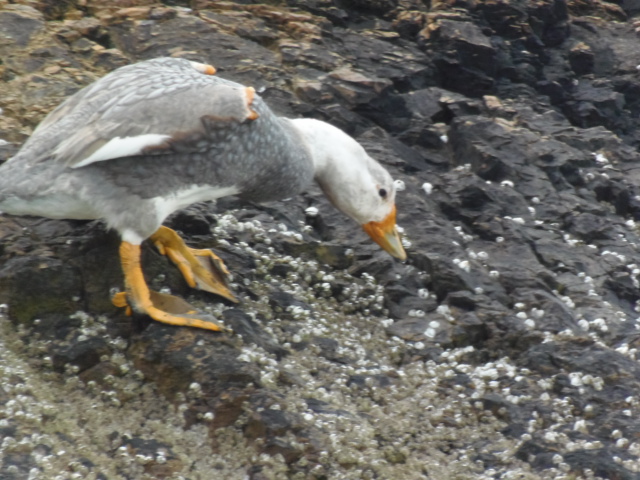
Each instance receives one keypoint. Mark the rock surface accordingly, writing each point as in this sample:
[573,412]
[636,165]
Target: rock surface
[504,347]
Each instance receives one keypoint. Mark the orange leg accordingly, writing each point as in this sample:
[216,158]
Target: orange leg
[201,269]
[161,307]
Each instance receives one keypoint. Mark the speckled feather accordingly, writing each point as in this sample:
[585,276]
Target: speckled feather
[212,143]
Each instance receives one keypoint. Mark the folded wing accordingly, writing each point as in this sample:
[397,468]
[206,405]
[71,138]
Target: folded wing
[146,109]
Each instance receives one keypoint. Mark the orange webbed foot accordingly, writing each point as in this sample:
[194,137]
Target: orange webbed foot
[159,306]
[201,269]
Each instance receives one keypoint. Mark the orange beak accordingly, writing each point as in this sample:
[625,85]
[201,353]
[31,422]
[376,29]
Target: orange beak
[385,234]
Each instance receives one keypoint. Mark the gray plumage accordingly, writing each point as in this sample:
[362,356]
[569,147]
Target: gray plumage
[156,136]
[211,142]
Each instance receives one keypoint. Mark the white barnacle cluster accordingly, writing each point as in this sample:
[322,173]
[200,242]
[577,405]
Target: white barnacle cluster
[406,243]
[269,370]
[570,240]
[446,313]
[462,264]
[465,168]
[284,231]
[528,317]
[566,418]
[90,326]
[297,312]
[465,236]
[601,160]
[311,211]
[615,255]
[431,331]
[427,188]
[516,220]
[194,390]
[628,352]
[368,418]
[582,380]
[228,224]
[496,377]
[84,414]
[634,272]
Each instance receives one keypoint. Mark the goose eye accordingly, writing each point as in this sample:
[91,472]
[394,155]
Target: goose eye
[382,192]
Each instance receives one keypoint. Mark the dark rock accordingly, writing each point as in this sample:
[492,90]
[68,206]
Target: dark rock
[409,23]
[244,325]
[164,462]
[19,24]
[599,462]
[192,221]
[409,329]
[328,254]
[499,406]
[589,227]
[375,6]
[224,379]
[400,301]
[268,422]
[83,354]
[468,330]
[38,286]
[354,88]
[581,59]
[329,350]
[281,301]
[467,56]
[280,446]
[594,105]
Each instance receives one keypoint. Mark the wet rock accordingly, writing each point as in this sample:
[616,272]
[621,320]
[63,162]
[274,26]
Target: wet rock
[219,377]
[280,446]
